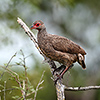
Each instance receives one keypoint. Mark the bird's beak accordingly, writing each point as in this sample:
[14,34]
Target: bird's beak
[32,27]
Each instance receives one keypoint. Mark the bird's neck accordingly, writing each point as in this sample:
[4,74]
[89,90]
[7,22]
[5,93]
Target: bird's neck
[41,35]
[43,30]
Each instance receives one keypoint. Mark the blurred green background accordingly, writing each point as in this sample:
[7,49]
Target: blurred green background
[78,20]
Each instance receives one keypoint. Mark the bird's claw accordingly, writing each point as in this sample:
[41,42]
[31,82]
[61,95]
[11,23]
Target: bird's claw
[58,78]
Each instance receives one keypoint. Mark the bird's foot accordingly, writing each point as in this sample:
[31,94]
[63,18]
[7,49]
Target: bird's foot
[59,72]
[59,77]
[62,69]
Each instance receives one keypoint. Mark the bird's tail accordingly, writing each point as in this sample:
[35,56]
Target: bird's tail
[81,61]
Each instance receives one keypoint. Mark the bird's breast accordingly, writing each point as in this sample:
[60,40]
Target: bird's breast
[44,43]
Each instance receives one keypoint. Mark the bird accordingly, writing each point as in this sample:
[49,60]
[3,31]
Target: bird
[59,48]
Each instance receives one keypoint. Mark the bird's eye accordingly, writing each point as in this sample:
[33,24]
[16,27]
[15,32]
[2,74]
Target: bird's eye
[37,24]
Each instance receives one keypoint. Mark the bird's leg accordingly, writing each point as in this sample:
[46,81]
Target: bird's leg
[67,69]
[61,75]
[61,68]
[63,72]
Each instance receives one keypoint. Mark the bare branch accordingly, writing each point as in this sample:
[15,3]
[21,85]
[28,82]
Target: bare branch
[81,88]
[40,82]
[4,90]
[24,94]
[26,78]
[30,34]
[8,64]
[16,79]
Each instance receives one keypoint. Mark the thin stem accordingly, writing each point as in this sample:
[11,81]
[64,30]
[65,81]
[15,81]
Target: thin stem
[26,78]
[40,82]
[8,64]
[4,90]
[24,93]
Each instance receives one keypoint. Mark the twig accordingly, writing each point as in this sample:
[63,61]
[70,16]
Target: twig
[26,78]
[24,94]
[81,88]
[7,89]
[4,90]
[30,34]
[8,64]
[16,79]
[37,88]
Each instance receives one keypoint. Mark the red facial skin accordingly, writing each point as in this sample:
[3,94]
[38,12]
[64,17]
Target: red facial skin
[35,26]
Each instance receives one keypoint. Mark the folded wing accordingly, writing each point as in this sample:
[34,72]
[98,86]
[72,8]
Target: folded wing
[63,44]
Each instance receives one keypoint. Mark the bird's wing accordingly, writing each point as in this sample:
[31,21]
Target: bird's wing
[63,44]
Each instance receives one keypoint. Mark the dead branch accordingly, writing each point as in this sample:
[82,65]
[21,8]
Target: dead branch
[81,88]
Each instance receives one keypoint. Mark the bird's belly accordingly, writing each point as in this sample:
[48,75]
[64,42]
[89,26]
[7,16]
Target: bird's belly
[61,57]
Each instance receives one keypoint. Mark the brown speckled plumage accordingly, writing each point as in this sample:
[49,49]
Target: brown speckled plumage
[59,48]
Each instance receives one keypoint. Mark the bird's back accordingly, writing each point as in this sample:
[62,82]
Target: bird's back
[65,45]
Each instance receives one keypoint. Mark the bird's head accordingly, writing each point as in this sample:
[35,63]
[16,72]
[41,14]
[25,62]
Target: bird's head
[39,25]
